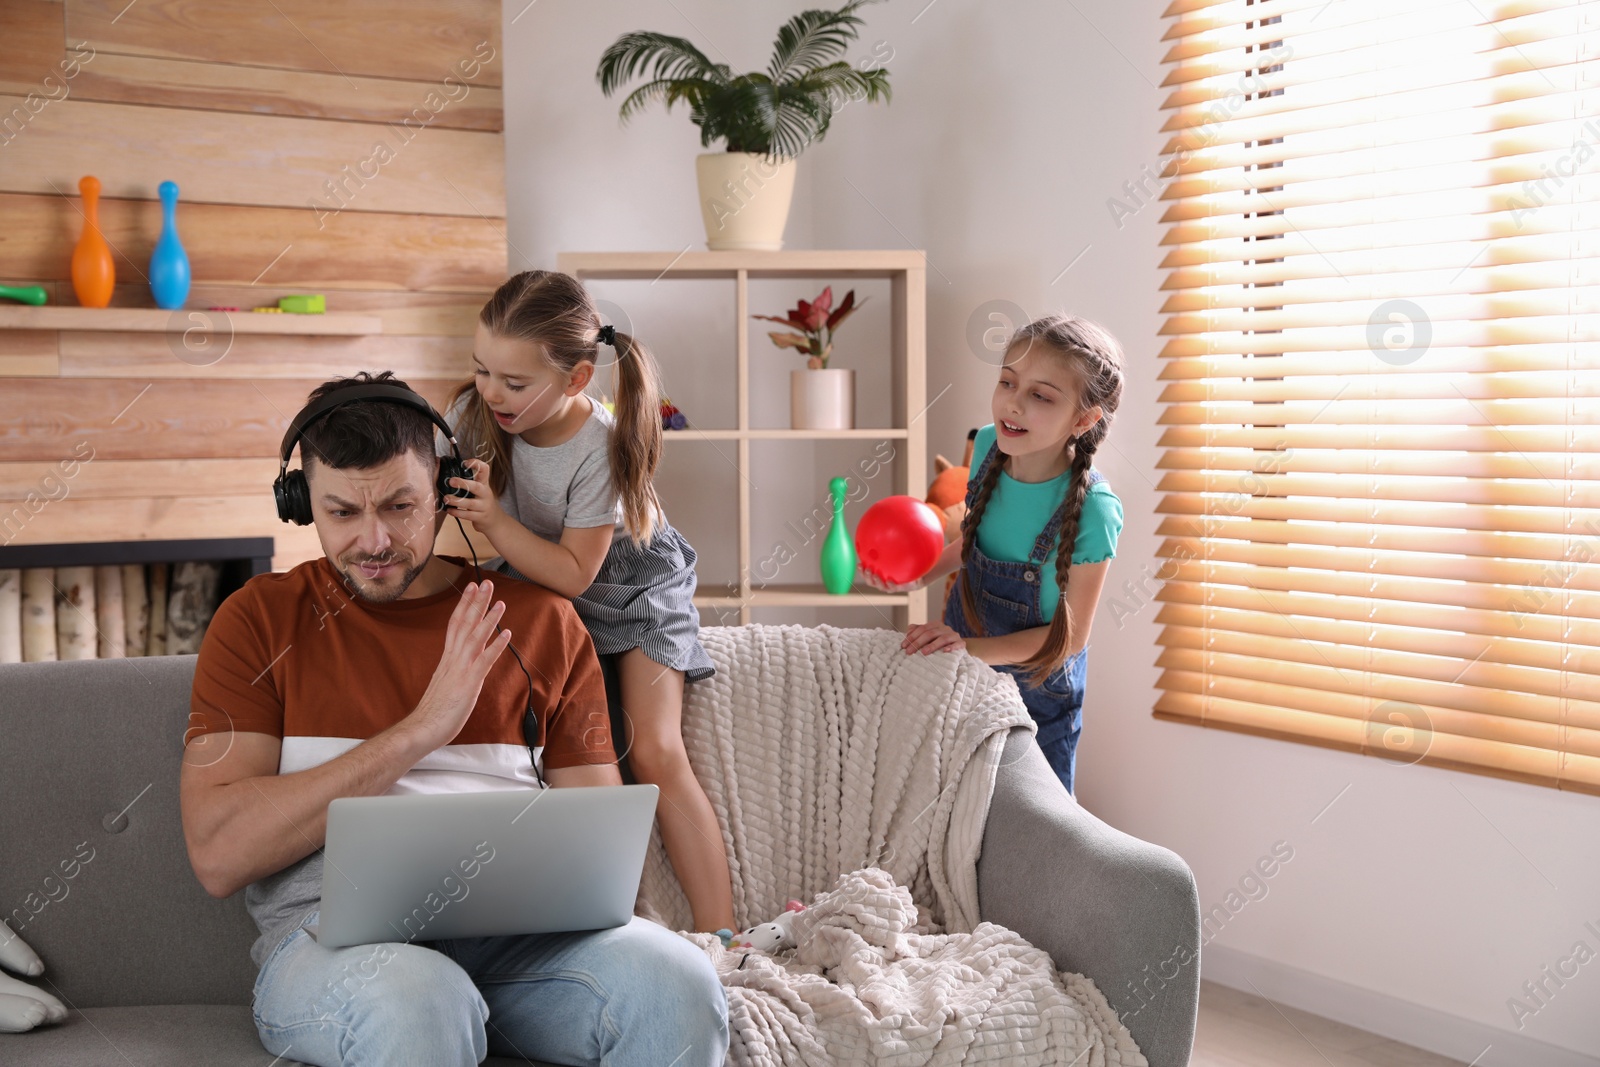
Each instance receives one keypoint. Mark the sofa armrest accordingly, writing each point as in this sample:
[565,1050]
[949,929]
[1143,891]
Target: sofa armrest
[1121,911]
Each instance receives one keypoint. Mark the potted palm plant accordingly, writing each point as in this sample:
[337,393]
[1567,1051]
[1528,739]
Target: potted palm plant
[820,397]
[764,118]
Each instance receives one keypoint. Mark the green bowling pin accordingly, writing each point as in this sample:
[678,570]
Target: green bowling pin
[838,553]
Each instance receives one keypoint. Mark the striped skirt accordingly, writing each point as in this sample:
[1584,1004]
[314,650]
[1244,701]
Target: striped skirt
[643,598]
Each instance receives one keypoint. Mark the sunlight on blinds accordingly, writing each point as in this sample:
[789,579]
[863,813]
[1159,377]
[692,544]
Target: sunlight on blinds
[1381,379]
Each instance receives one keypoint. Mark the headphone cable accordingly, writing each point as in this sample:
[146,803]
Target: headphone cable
[528,717]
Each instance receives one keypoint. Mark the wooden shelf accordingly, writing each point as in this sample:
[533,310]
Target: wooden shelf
[848,263]
[886,433]
[805,596]
[155,320]
[906,272]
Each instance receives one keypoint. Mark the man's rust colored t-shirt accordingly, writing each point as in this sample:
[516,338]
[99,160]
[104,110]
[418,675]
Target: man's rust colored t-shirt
[297,656]
[294,655]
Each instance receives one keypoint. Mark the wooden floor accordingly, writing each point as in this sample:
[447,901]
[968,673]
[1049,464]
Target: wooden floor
[1240,1030]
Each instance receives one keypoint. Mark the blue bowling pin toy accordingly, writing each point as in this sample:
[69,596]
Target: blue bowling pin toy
[169,264]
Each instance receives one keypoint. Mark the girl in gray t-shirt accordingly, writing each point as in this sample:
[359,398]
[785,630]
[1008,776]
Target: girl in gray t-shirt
[564,491]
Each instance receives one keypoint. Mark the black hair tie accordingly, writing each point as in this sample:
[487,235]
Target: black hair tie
[608,336]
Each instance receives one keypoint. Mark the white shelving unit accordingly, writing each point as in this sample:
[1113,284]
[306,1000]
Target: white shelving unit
[906,272]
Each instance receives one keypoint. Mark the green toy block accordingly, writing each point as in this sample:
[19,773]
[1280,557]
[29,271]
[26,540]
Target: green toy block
[27,294]
[310,304]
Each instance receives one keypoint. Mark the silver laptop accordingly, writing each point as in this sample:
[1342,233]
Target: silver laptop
[423,867]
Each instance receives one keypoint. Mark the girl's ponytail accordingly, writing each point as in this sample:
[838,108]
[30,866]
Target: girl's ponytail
[636,437]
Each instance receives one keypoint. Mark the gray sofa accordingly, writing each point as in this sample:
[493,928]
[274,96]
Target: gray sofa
[158,973]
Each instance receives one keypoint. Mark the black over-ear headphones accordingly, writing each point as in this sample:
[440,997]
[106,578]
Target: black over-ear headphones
[293,494]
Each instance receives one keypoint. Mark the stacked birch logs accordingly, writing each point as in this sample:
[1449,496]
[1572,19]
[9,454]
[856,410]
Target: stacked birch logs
[106,612]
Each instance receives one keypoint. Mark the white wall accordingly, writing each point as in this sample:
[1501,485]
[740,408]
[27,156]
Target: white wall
[1421,900]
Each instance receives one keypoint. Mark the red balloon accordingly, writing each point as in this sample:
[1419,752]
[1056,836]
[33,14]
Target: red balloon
[899,539]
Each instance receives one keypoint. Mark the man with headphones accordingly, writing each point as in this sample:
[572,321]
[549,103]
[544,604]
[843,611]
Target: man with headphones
[376,669]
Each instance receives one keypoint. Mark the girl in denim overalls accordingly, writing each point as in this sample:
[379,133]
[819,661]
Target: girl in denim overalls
[1034,488]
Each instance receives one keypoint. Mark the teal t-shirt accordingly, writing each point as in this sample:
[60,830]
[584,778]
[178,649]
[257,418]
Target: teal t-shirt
[1018,511]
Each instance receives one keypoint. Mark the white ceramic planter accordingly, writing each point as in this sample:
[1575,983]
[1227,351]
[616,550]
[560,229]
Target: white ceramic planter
[744,200]
[822,399]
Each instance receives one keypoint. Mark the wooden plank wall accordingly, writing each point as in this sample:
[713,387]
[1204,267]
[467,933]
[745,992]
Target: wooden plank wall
[351,148]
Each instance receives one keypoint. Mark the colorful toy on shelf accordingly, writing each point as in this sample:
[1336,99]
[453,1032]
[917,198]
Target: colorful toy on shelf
[268,311]
[26,294]
[219,307]
[307,304]
[838,554]
[671,417]
[948,492]
[899,539]
[94,274]
[169,263]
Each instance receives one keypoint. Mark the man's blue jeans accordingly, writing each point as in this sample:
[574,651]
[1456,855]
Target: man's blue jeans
[634,995]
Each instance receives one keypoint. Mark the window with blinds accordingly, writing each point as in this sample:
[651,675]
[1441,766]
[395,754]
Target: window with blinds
[1381,380]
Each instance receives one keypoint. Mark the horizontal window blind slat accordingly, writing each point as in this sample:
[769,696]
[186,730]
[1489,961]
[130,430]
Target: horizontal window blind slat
[1514,235]
[1334,683]
[1396,38]
[1384,383]
[1297,86]
[1462,411]
[1528,493]
[1520,601]
[1578,546]
[1490,284]
[1227,13]
[1418,133]
[1482,266]
[1533,627]
[1235,463]
[1457,438]
[1384,513]
[1194,16]
[1434,680]
[1374,717]
[1194,624]
[1404,222]
[1521,582]
[1518,763]
[1526,151]
[1450,189]
[1372,29]
[1355,338]
[1307,81]
[1462,362]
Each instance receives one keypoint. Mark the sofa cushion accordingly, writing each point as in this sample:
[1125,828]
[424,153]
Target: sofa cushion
[89,768]
[160,1036]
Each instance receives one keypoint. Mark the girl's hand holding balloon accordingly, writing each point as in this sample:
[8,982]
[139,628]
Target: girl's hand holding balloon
[866,577]
[481,508]
[926,637]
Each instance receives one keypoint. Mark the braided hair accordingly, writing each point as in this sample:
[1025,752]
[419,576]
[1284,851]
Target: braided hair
[1096,359]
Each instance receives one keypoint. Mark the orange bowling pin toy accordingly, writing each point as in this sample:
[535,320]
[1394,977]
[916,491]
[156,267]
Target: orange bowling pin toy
[93,272]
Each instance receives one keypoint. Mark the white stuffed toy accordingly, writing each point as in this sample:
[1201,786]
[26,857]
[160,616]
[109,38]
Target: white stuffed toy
[22,1006]
[774,936]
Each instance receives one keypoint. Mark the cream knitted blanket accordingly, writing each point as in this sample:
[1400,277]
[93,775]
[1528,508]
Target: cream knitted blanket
[848,774]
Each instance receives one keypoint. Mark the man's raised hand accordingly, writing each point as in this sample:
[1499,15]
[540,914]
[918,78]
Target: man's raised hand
[471,647]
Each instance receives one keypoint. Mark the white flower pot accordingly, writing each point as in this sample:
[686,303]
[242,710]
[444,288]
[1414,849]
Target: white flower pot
[822,399]
[744,200]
